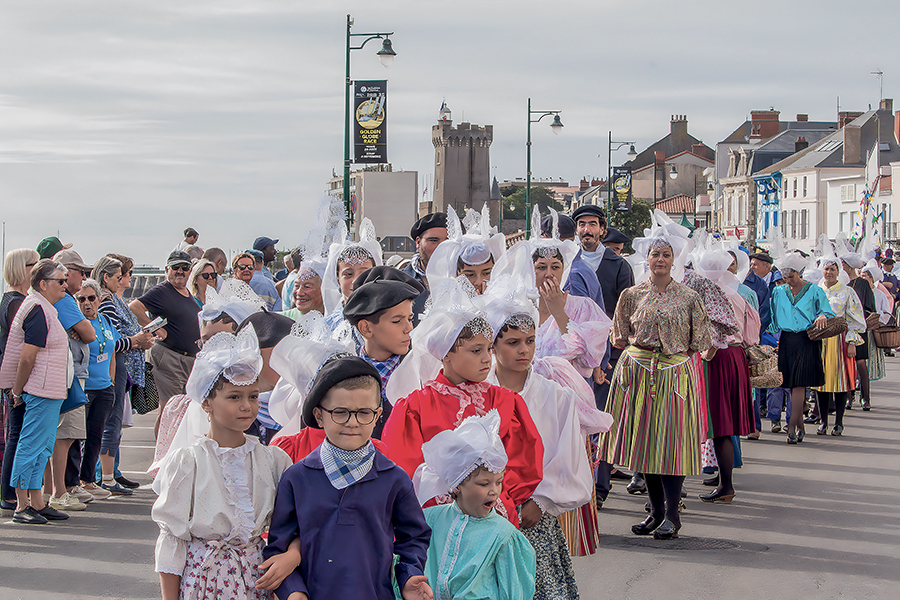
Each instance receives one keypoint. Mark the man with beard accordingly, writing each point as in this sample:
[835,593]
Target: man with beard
[614,275]
[428,232]
[172,357]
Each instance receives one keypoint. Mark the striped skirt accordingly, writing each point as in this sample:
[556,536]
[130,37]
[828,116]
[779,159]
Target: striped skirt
[580,525]
[656,412]
[840,370]
[876,360]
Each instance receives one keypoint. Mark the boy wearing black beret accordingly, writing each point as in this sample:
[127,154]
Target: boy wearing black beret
[381,310]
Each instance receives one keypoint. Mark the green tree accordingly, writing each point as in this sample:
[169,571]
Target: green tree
[634,222]
[514,201]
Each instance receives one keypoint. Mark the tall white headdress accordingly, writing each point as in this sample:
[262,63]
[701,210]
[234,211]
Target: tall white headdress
[663,232]
[352,252]
[235,298]
[453,454]
[480,243]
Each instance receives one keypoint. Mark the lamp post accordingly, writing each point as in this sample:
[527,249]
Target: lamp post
[673,174]
[631,154]
[555,126]
[386,55]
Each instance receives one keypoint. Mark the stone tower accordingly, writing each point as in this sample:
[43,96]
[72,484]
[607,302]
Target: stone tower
[462,167]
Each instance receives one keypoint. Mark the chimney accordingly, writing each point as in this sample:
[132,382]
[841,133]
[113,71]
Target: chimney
[763,124]
[698,149]
[800,144]
[887,104]
[802,117]
[660,157]
[678,126]
[852,144]
[846,116]
[596,182]
[583,185]
[897,126]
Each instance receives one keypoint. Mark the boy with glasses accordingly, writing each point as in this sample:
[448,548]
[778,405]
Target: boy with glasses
[351,508]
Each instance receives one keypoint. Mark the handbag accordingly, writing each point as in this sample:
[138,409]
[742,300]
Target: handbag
[833,326]
[763,361]
[74,398]
[145,399]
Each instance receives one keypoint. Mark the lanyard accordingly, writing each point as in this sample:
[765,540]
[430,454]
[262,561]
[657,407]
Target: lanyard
[102,341]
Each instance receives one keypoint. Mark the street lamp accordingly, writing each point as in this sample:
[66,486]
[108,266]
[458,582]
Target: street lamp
[673,174]
[386,56]
[631,154]
[556,126]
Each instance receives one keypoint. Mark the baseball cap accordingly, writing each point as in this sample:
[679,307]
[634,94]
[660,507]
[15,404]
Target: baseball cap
[68,257]
[261,242]
[177,257]
[50,246]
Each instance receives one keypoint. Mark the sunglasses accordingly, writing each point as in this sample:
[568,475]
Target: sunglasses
[62,281]
[208,276]
[244,267]
[185,268]
[29,265]
[83,299]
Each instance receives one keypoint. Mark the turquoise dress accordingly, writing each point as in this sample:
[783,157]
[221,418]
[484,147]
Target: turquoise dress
[473,559]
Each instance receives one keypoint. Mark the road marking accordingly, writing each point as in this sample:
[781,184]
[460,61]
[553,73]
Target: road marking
[138,447]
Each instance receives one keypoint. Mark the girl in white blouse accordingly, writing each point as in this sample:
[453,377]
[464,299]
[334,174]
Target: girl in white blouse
[216,493]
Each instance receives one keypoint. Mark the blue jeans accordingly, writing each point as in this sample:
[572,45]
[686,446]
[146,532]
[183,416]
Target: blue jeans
[14,417]
[36,440]
[776,398]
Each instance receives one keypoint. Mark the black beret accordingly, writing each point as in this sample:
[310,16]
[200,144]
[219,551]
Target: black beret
[763,256]
[589,209]
[270,327]
[565,223]
[614,236]
[427,222]
[332,373]
[376,296]
[385,273]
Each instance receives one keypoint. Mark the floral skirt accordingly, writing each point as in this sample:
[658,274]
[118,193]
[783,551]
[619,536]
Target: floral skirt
[221,570]
[555,577]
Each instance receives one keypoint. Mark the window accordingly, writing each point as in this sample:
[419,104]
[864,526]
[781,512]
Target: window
[842,221]
[848,192]
[804,186]
[728,217]
[794,222]
[784,223]
[740,210]
[804,224]
[794,180]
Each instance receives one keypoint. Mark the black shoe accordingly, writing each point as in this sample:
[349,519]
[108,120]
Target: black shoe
[838,430]
[822,430]
[683,491]
[29,516]
[127,483]
[866,406]
[849,404]
[637,485]
[800,435]
[647,526]
[712,481]
[811,419]
[666,531]
[616,474]
[4,505]
[51,514]
[776,427]
[792,438]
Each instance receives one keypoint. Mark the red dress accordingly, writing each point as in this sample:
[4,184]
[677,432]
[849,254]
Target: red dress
[440,406]
[299,445]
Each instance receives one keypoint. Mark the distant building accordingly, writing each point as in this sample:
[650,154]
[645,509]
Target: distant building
[387,197]
[462,167]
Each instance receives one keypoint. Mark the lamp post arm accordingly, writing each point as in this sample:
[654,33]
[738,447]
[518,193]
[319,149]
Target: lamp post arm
[371,36]
[542,113]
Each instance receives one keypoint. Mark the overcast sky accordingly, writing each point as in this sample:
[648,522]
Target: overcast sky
[121,123]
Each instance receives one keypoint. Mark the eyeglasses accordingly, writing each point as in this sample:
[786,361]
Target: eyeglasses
[185,268]
[29,265]
[127,274]
[244,267]
[364,416]
[83,299]
[208,275]
[62,281]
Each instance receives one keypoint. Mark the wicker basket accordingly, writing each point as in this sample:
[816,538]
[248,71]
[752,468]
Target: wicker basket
[887,337]
[873,321]
[764,371]
[833,326]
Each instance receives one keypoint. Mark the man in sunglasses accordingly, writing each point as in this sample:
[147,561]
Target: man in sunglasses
[172,357]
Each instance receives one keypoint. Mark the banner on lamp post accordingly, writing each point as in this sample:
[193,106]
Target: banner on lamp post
[621,186]
[370,121]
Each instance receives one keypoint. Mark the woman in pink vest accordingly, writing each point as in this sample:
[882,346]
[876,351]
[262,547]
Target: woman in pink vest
[35,369]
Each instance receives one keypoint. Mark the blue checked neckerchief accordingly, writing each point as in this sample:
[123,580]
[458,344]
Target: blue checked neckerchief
[345,468]
[384,368]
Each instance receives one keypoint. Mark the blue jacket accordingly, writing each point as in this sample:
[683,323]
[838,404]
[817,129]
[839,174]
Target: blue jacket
[348,537]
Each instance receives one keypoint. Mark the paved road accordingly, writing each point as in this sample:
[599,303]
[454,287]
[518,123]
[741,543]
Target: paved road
[816,520]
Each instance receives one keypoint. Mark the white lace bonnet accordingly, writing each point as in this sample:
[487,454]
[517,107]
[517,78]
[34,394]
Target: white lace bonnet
[452,455]
[235,298]
[480,243]
[663,231]
[352,252]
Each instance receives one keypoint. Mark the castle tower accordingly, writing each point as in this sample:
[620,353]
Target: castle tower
[462,167]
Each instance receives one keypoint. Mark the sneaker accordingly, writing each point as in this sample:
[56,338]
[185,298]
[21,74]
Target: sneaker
[95,490]
[82,494]
[776,427]
[67,502]
[131,485]
[51,514]
[116,490]
[29,516]
[46,497]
